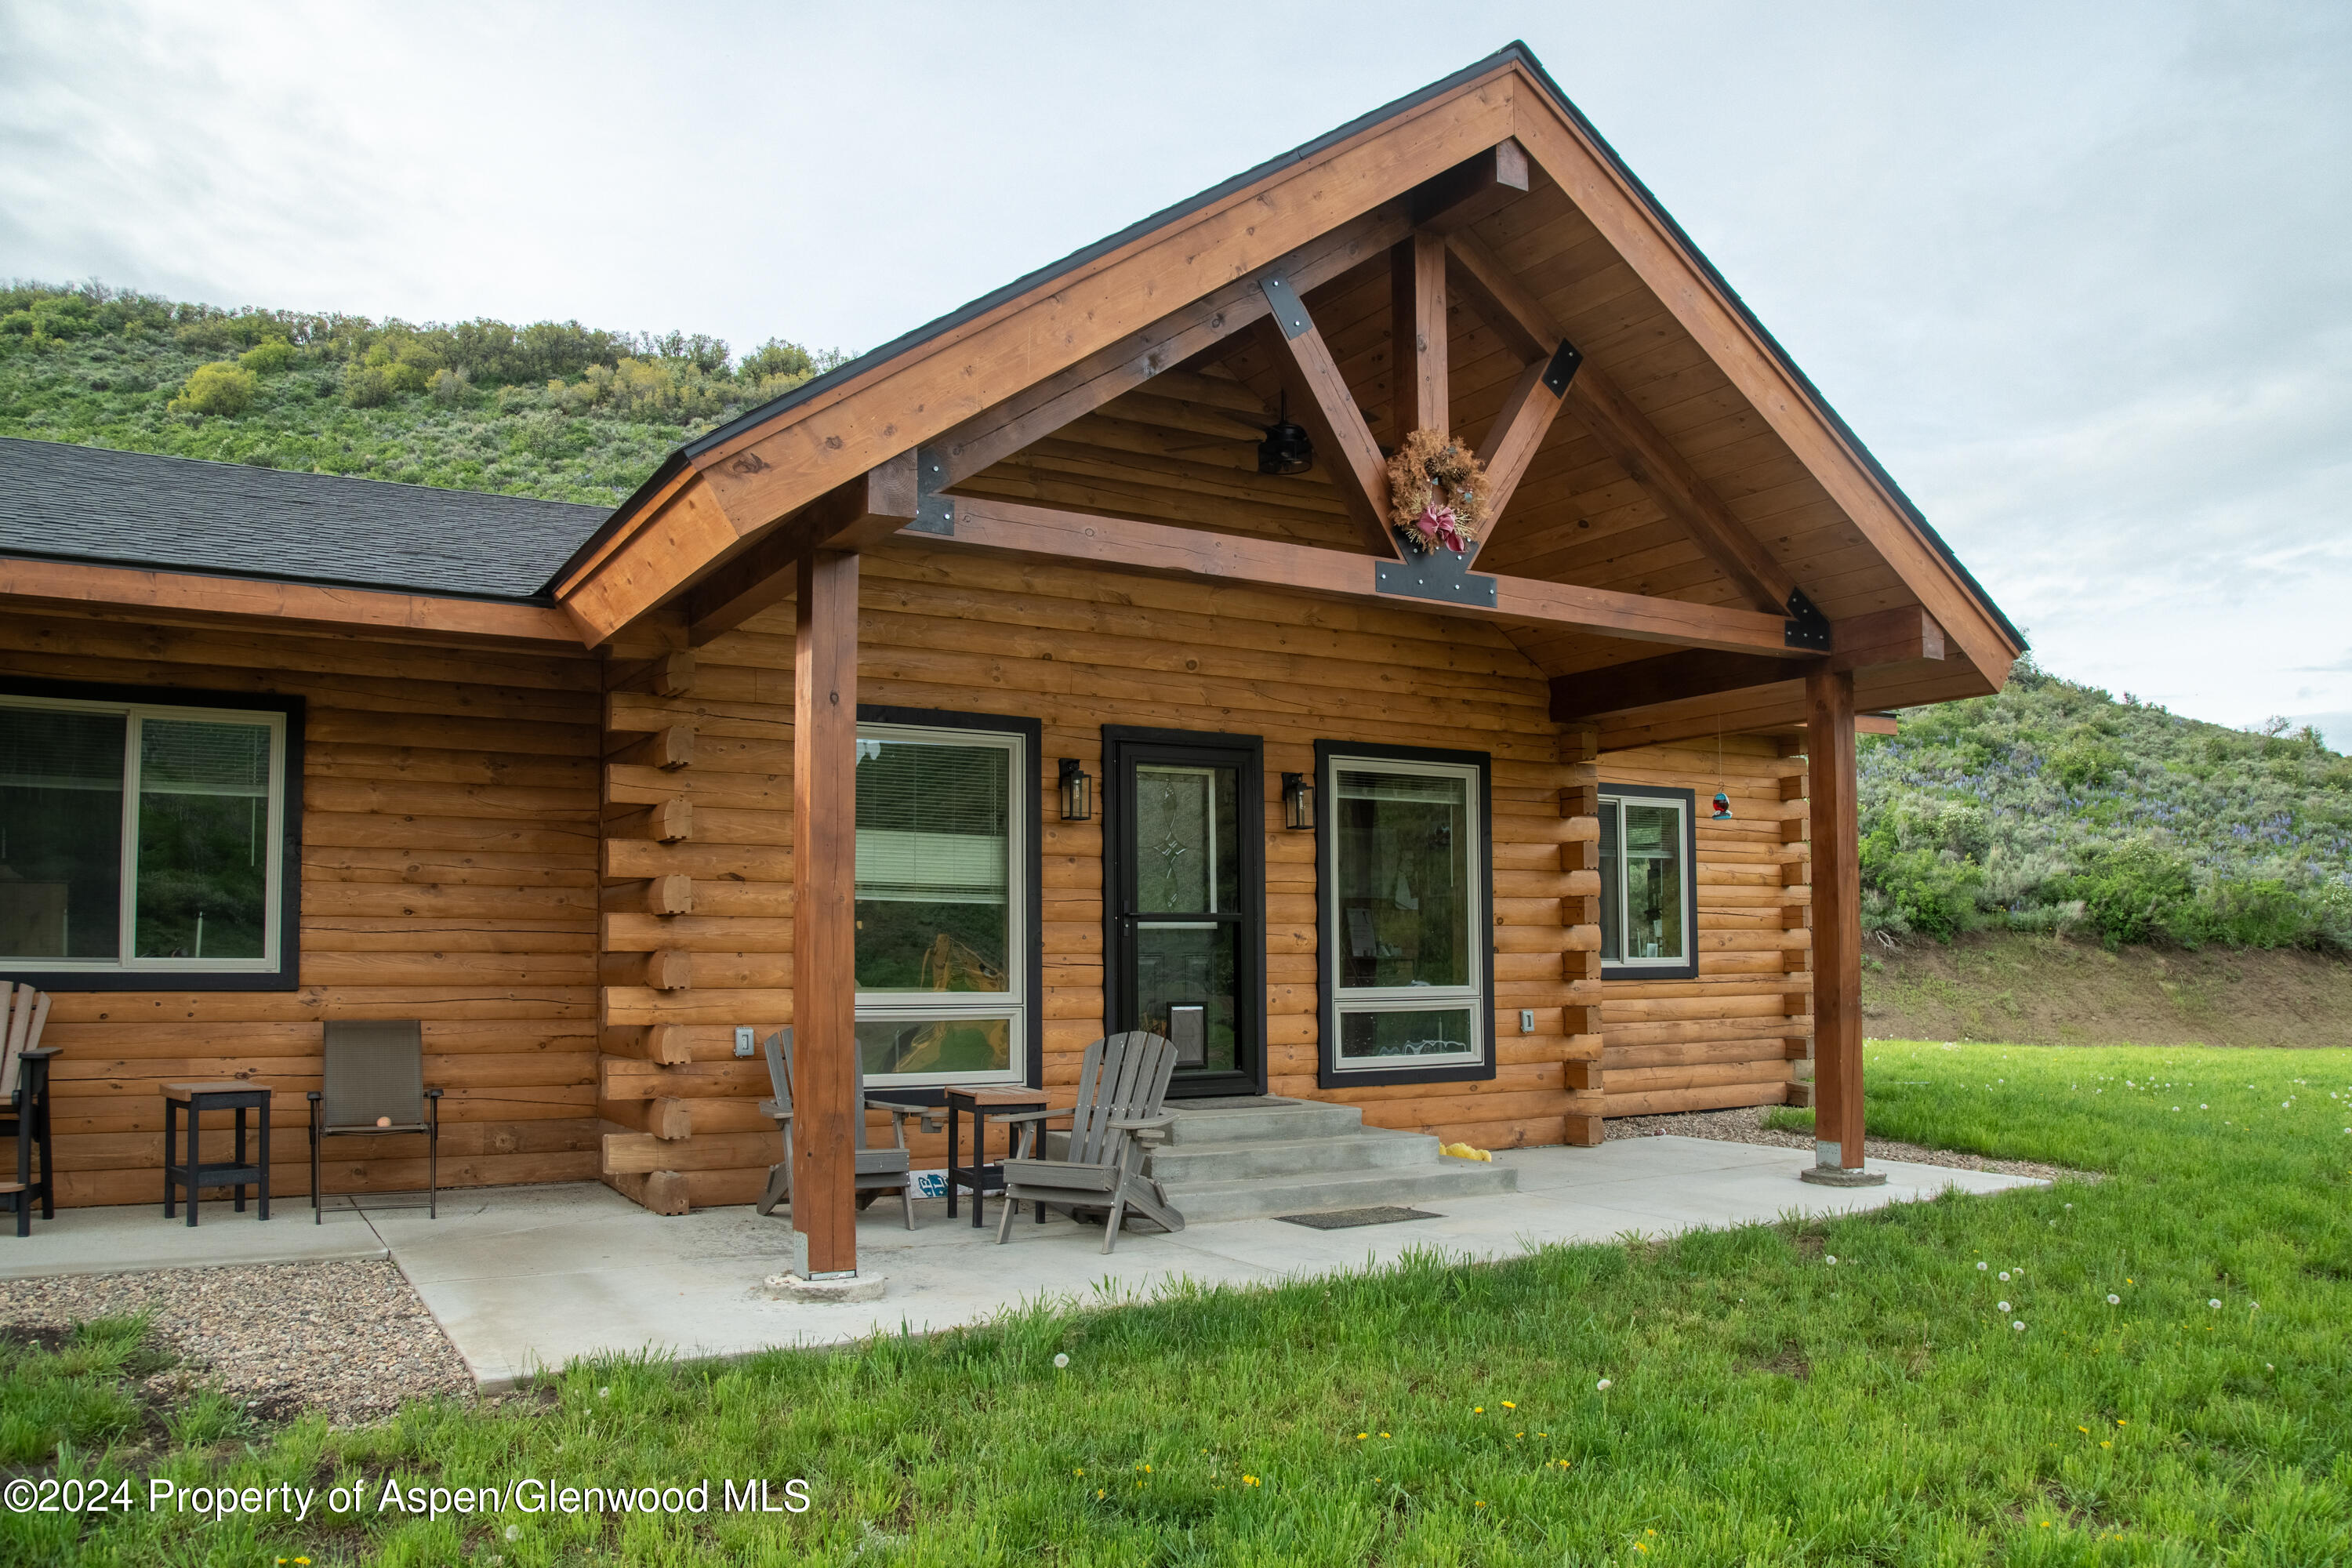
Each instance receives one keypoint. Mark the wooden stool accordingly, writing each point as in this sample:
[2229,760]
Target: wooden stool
[197,1099]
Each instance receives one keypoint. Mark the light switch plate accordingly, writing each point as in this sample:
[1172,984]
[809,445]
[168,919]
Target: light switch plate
[1527,1020]
[744,1046]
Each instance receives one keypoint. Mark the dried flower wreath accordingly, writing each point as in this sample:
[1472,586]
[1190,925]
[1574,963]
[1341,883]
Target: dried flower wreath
[1437,494]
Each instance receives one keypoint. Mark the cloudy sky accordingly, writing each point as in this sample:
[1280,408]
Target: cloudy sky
[2081,274]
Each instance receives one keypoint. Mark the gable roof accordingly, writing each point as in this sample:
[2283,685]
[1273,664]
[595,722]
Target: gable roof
[716,443]
[61,502]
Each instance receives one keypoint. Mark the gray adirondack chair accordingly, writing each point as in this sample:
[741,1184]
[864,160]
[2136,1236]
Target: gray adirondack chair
[1122,1087]
[879,1169]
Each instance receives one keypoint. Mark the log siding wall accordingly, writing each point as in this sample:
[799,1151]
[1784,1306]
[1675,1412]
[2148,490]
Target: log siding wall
[449,845]
[577,872]
[1728,1035]
[1077,650]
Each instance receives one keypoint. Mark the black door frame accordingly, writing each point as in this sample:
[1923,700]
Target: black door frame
[1123,747]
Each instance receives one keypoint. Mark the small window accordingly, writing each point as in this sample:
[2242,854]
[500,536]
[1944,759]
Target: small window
[945,927]
[144,839]
[1648,884]
[1406,914]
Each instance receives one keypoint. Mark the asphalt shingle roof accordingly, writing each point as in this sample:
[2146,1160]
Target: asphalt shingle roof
[135,509]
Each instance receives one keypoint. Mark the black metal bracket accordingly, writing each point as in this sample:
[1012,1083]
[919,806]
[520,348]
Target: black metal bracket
[1806,627]
[934,509]
[1440,576]
[1562,368]
[1289,311]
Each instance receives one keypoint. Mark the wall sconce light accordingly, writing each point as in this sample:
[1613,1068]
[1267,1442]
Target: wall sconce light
[1077,791]
[1722,806]
[1297,802]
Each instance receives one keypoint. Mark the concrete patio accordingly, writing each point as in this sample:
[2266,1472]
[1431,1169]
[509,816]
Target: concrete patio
[529,1278]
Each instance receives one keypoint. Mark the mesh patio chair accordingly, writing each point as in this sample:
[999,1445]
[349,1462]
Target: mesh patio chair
[25,1102]
[373,1086]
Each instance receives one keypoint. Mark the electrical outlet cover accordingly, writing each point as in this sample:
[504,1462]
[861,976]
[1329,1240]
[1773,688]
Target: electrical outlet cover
[744,1044]
[1527,1020]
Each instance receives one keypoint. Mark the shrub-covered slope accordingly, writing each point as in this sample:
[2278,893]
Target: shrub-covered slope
[552,409]
[2054,806]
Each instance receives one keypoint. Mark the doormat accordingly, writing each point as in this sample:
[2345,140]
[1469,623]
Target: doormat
[1349,1219]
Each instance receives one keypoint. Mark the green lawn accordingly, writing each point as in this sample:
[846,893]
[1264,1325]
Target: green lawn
[1763,1403]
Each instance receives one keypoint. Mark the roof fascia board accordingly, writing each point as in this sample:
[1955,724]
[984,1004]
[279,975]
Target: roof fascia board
[761,474]
[546,626]
[1593,177]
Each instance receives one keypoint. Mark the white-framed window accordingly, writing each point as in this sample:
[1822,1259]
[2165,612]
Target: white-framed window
[141,838]
[1405,885]
[1648,883]
[943,921]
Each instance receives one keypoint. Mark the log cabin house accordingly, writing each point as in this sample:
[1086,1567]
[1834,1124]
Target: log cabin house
[1055,669]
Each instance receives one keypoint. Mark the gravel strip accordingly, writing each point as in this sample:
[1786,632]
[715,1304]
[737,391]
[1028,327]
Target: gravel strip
[1745,1125]
[351,1339]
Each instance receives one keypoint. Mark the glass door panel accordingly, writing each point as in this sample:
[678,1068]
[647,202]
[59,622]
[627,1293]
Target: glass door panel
[1185,884]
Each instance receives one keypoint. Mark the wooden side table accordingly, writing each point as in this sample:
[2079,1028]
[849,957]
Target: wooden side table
[195,1098]
[981,1176]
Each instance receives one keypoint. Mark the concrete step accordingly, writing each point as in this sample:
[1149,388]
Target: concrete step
[1271,1123]
[1202,1202]
[1363,1149]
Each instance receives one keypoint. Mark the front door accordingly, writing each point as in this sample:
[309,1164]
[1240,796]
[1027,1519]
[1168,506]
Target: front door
[1184,901]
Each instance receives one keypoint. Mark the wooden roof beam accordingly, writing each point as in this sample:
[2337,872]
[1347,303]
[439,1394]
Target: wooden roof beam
[1079,538]
[866,510]
[352,611]
[1417,336]
[1343,442]
[997,432]
[1898,637]
[1473,189]
[1778,706]
[1625,433]
[1520,428]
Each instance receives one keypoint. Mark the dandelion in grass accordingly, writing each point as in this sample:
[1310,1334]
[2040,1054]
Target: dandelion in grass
[1508,1406]
[1250,1480]
[2020,1327]
[603,1393]
[2113,1299]
[2004,1275]
[2004,1306]
[514,1532]
[1603,1385]
[1477,1410]
[1982,1266]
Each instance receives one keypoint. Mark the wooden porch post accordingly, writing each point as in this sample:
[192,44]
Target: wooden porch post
[824,932]
[1837,932]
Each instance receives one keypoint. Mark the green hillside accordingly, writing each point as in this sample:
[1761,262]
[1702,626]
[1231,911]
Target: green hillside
[2051,807]
[552,409]
[2055,807]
